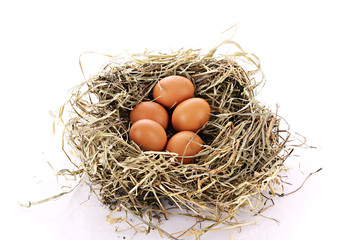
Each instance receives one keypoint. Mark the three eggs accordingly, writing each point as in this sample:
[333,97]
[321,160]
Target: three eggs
[151,119]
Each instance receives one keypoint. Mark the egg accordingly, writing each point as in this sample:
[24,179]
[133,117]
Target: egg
[152,111]
[148,134]
[190,115]
[172,90]
[185,143]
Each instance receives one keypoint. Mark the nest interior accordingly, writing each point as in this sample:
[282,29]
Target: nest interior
[244,147]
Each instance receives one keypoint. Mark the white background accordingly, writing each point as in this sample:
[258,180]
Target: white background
[309,52]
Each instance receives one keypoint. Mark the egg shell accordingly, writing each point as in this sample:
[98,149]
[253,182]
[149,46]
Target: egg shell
[185,143]
[191,115]
[172,90]
[152,111]
[148,134]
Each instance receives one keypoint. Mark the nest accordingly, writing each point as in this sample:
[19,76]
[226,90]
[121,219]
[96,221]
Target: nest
[244,148]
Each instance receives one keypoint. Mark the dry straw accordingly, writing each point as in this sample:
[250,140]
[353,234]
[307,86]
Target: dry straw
[244,147]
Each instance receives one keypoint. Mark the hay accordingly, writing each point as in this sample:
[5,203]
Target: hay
[244,147]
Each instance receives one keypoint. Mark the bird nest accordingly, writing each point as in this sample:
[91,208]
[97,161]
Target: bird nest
[244,147]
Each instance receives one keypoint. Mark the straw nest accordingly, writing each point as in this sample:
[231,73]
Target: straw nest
[244,147]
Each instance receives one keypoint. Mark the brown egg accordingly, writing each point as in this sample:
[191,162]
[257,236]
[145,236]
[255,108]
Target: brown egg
[152,111]
[191,115]
[185,143]
[148,134]
[172,90]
